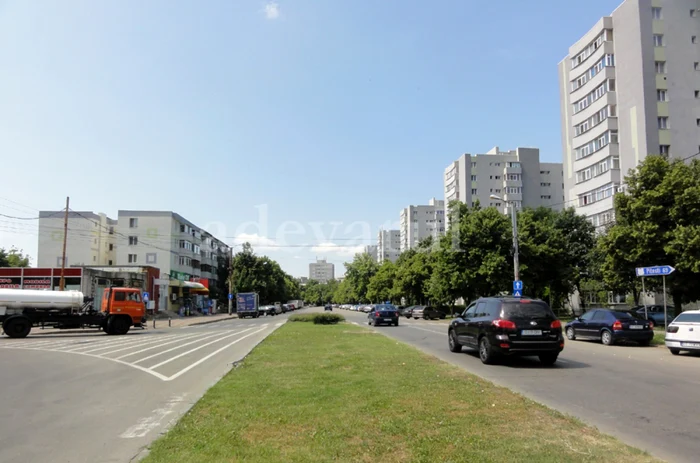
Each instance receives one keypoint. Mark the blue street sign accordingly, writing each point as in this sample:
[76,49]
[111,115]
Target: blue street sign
[657,271]
[517,285]
[517,293]
[145,296]
[230,296]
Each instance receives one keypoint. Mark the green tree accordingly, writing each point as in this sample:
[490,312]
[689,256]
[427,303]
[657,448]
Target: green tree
[657,222]
[13,258]
[358,273]
[381,284]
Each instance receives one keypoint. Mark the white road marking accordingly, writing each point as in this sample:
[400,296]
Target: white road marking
[197,348]
[204,359]
[156,346]
[148,343]
[183,345]
[110,345]
[148,424]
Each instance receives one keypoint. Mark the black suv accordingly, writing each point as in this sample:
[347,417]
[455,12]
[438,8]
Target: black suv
[508,326]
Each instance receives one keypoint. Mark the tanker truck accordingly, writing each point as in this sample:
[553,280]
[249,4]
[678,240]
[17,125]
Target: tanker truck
[22,309]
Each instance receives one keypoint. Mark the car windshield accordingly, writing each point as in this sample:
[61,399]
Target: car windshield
[530,309]
[688,318]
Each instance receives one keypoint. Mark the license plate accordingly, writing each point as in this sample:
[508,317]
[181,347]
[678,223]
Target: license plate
[690,344]
[388,320]
[532,332]
[636,327]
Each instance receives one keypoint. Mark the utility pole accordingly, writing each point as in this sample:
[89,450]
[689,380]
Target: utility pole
[516,250]
[62,283]
[230,284]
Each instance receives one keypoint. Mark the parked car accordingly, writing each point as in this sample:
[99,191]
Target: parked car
[611,326]
[684,332]
[406,311]
[655,313]
[328,307]
[365,309]
[426,312]
[383,314]
[500,326]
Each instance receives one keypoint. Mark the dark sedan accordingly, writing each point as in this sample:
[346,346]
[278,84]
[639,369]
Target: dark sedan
[611,326]
[383,314]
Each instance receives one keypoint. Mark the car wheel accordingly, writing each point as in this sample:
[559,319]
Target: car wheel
[452,342]
[675,351]
[548,359]
[606,338]
[486,353]
[570,333]
[396,323]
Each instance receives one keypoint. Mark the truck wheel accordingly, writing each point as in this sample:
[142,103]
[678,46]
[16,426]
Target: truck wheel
[17,327]
[118,325]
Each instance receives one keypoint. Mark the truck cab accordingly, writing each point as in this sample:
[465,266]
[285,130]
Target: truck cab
[123,307]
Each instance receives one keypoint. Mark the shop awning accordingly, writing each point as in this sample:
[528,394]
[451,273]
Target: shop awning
[195,286]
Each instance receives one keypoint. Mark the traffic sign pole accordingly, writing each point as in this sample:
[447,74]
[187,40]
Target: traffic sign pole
[646,315]
[665,311]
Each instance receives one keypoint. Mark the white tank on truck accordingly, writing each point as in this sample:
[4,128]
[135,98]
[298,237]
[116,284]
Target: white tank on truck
[37,299]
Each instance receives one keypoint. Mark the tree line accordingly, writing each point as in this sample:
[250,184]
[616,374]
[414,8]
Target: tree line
[262,275]
[657,222]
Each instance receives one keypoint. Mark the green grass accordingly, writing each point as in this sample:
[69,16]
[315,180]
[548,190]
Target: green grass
[318,318]
[659,337]
[312,393]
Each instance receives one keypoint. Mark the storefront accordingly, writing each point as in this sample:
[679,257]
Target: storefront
[41,278]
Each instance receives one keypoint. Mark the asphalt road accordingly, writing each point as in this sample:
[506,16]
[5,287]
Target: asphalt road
[642,395]
[93,398]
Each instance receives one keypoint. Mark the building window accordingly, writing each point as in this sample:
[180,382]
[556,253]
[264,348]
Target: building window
[694,39]
[132,258]
[133,223]
[658,40]
[133,240]
[697,93]
[656,12]
[151,258]
[94,258]
[473,191]
[693,13]
[661,95]
[663,122]
[697,122]
[111,230]
[109,262]
[660,67]
[665,150]
[473,178]
[111,247]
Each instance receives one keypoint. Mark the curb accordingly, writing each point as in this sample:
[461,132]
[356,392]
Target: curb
[206,322]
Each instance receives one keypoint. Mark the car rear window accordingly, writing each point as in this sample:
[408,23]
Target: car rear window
[385,308]
[688,318]
[532,309]
[625,315]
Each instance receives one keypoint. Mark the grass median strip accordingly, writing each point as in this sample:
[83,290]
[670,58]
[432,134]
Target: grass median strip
[313,393]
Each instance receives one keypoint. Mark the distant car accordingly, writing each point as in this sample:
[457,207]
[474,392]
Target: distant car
[383,314]
[611,326]
[426,313]
[655,313]
[498,326]
[328,307]
[684,332]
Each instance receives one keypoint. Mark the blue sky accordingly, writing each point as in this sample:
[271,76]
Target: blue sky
[333,111]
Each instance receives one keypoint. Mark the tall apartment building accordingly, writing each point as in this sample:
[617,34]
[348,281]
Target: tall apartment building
[516,175]
[90,241]
[629,87]
[420,222]
[321,271]
[388,245]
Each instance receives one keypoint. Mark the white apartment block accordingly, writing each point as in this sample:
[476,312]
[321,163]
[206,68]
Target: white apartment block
[388,245]
[91,239]
[420,222]
[321,271]
[162,239]
[629,87]
[516,176]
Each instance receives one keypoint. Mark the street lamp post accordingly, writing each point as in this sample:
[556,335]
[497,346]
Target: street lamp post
[514,215]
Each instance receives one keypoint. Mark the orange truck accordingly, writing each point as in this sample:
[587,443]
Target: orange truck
[23,309]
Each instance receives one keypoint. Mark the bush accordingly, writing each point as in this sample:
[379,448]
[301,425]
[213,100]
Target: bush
[318,318]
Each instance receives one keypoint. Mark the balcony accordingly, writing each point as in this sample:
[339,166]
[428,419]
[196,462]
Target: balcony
[516,183]
[512,170]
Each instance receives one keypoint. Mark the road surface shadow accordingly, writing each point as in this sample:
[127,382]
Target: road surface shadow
[533,363]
